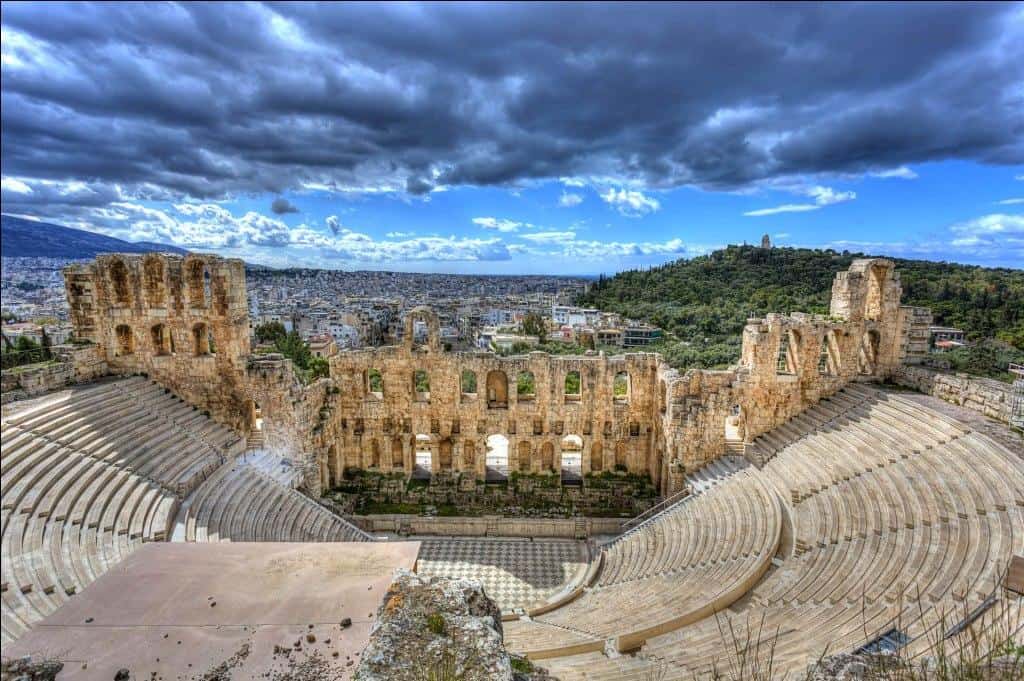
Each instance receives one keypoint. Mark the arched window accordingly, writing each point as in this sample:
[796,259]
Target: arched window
[596,457]
[196,278]
[620,387]
[200,340]
[547,456]
[374,383]
[868,355]
[468,380]
[621,459]
[526,388]
[523,456]
[374,454]
[153,280]
[125,340]
[873,301]
[119,281]
[421,386]
[497,389]
[828,362]
[161,340]
[788,361]
[573,387]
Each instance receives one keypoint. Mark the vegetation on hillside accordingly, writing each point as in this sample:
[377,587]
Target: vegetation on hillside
[704,303]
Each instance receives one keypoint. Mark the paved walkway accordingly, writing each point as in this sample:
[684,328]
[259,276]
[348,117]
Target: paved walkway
[515,573]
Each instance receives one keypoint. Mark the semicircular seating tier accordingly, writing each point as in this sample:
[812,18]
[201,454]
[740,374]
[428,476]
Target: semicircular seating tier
[88,475]
[243,503]
[898,523]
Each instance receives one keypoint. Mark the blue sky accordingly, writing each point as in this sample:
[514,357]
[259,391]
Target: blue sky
[492,139]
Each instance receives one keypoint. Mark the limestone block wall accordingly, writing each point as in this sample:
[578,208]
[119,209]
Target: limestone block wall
[184,321]
[71,364]
[984,395]
[379,429]
[181,319]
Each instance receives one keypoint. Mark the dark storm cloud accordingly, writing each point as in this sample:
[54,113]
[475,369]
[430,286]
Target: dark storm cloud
[204,100]
[281,206]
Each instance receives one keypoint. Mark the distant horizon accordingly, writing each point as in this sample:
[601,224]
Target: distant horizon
[486,139]
[579,275]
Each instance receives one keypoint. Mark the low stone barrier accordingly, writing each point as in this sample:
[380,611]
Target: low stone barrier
[984,395]
[486,526]
[70,364]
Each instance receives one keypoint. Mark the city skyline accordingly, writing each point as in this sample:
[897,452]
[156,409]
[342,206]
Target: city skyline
[492,140]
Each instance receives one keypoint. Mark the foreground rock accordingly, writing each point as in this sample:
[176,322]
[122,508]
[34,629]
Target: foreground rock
[438,628]
[27,669]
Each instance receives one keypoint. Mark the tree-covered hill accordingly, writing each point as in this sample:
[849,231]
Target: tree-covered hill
[705,302]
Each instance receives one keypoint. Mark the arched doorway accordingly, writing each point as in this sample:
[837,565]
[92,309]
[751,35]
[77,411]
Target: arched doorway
[572,460]
[496,458]
[423,457]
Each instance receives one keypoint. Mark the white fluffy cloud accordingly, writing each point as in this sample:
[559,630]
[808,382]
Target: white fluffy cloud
[996,237]
[333,224]
[500,225]
[1011,202]
[630,203]
[902,173]
[568,200]
[823,196]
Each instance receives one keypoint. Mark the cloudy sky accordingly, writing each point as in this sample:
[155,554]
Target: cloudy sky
[565,138]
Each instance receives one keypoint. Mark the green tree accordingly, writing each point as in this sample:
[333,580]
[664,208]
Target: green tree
[270,332]
[294,348]
[533,325]
[319,367]
[525,384]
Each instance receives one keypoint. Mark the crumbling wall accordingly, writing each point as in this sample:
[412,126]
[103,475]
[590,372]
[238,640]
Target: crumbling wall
[71,364]
[183,320]
[158,313]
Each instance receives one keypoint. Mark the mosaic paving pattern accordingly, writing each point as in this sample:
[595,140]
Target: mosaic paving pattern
[516,574]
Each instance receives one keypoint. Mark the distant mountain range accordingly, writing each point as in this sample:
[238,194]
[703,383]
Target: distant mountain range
[31,239]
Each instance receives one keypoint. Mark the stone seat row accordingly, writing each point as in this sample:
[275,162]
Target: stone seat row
[732,523]
[653,588]
[910,493]
[139,427]
[240,503]
[889,533]
[86,517]
[88,475]
[871,436]
[872,586]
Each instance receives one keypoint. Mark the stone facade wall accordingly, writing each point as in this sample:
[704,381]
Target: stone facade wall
[183,320]
[984,395]
[380,429]
[155,314]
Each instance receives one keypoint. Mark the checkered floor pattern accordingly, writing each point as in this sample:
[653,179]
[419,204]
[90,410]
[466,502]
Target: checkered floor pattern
[516,574]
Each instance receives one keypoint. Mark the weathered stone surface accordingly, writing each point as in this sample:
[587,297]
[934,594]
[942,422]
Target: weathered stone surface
[183,320]
[983,395]
[432,624]
[27,669]
[156,314]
